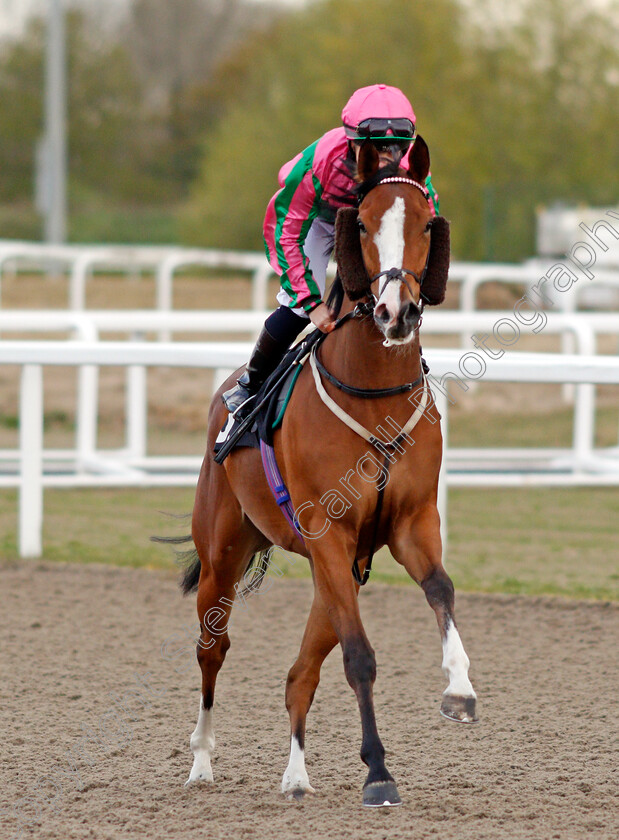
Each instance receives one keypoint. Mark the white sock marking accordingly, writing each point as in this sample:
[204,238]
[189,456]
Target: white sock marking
[456,664]
[295,777]
[202,743]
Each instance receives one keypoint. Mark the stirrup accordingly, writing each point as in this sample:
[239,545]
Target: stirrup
[241,412]
[236,397]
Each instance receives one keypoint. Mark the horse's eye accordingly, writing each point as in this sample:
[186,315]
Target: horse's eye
[429,226]
[361,226]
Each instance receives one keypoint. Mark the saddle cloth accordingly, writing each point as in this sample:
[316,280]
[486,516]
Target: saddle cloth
[271,414]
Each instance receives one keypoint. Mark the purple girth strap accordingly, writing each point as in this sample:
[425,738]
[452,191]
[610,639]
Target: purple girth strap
[277,486]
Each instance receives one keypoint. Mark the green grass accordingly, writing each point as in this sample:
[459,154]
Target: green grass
[111,526]
[551,541]
[542,541]
[525,541]
[546,430]
[51,419]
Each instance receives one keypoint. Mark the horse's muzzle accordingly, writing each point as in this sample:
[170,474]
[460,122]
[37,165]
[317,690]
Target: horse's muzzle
[402,327]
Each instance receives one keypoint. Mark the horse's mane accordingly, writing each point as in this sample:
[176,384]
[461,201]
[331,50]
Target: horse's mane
[362,188]
[336,296]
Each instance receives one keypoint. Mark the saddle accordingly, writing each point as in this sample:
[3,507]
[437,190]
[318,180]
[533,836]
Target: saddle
[271,415]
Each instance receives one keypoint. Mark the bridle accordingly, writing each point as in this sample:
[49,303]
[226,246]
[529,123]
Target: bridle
[365,308]
[397,274]
[387,449]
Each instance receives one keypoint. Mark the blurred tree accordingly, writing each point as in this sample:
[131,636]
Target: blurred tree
[542,109]
[136,109]
[21,72]
[176,43]
[284,89]
[113,143]
[175,46]
[521,116]
[516,114]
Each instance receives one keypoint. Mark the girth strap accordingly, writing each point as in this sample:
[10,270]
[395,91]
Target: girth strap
[385,447]
[362,579]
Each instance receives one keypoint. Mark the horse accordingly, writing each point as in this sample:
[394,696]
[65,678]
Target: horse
[352,493]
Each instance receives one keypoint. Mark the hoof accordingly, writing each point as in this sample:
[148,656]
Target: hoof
[298,794]
[200,772]
[460,709]
[296,787]
[196,780]
[381,794]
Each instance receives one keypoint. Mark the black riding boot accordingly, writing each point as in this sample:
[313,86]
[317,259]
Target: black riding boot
[267,354]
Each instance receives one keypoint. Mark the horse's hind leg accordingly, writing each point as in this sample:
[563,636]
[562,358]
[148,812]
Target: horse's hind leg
[318,640]
[223,562]
[418,549]
[215,599]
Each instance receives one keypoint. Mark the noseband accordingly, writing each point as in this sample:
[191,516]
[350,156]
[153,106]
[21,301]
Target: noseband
[393,274]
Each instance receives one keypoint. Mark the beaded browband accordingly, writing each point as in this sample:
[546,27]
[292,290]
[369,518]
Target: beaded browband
[399,179]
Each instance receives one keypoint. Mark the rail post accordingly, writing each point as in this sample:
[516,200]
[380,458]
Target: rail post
[31,458]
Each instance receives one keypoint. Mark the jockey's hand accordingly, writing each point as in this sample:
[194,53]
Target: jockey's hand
[322,318]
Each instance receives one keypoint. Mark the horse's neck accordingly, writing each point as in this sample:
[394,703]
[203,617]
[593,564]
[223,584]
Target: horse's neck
[356,355]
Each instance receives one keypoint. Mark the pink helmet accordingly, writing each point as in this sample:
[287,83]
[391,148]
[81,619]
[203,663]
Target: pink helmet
[379,112]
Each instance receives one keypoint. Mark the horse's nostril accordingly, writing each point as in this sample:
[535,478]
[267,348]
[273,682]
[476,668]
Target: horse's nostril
[411,313]
[381,313]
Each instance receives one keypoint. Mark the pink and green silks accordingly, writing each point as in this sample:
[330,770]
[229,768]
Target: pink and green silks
[311,186]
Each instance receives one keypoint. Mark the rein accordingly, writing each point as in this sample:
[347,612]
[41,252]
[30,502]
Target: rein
[366,393]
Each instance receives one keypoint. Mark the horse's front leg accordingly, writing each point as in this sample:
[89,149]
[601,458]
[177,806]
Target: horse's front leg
[336,587]
[417,546]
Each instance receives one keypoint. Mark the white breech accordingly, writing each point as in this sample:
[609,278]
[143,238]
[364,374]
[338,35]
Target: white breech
[317,248]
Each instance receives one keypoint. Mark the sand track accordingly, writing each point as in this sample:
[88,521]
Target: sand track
[541,764]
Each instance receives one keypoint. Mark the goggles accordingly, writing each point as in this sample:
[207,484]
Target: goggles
[382,129]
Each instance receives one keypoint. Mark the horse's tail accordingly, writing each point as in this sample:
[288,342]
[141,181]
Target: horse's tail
[188,560]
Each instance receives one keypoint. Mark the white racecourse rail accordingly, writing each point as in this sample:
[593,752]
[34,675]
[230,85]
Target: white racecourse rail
[32,356]
[164,261]
[80,261]
[583,330]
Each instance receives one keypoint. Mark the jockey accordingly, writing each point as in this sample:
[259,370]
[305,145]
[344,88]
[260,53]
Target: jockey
[299,226]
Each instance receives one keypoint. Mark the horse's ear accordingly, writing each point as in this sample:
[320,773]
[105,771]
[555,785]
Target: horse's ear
[368,161]
[348,256]
[435,281]
[419,160]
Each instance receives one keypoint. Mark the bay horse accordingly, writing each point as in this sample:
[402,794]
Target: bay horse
[400,251]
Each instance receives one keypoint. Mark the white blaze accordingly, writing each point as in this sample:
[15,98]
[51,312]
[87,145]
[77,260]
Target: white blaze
[390,244]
